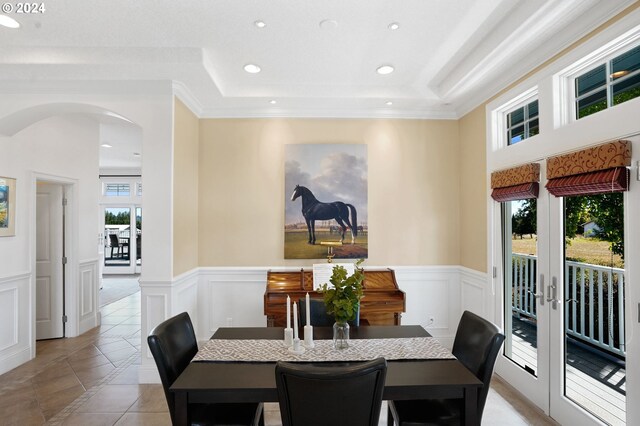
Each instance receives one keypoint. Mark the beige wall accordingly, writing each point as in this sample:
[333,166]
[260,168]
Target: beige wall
[414,173]
[185,194]
[473,190]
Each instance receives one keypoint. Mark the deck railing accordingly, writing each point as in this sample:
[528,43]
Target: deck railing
[594,300]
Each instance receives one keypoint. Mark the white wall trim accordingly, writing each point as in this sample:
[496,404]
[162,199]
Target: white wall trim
[15,347]
[88,288]
[11,332]
[20,276]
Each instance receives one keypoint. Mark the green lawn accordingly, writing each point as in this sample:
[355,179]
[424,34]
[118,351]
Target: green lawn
[296,246]
[580,249]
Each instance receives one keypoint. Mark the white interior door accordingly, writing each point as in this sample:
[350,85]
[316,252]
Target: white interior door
[49,267]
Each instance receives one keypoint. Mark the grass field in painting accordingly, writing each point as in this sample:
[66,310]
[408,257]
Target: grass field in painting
[296,246]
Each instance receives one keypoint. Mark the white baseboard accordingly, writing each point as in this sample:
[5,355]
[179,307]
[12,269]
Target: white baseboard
[15,359]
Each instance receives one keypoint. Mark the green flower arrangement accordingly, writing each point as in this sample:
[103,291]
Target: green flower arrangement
[343,298]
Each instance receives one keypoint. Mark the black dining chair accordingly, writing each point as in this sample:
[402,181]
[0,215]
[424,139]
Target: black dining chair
[319,316]
[476,346]
[320,395]
[173,345]
[114,243]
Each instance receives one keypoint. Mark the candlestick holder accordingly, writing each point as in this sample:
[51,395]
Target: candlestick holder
[297,347]
[288,337]
[330,245]
[308,337]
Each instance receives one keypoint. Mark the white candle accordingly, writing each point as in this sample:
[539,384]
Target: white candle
[288,312]
[295,320]
[308,311]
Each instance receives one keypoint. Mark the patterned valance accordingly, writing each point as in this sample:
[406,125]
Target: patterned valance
[517,183]
[601,157]
[516,176]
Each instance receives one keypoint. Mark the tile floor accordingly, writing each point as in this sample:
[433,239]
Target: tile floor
[92,380]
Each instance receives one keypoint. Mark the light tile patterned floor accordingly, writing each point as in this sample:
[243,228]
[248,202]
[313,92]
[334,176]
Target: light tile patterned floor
[93,380]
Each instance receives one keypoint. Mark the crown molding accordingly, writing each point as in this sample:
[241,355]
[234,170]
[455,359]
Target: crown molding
[496,81]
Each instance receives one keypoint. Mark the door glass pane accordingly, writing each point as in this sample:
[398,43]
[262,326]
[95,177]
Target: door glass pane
[117,235]
[520,282]
[138,236]
[593,296]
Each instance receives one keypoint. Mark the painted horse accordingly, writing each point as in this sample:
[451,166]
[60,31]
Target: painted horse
[313,210]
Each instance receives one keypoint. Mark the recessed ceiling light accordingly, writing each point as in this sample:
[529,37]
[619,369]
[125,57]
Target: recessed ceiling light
[389,103]
[106,145]
[260,24]
[8,22]
[252,68]
[385,69]
[273,102]
[328,24]
[393,26]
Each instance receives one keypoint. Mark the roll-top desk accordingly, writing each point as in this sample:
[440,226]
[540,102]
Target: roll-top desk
[382,304]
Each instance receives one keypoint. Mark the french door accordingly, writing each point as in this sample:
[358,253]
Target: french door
[564,301]
[122,239]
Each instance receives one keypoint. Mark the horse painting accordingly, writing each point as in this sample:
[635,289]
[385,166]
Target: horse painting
[313,210]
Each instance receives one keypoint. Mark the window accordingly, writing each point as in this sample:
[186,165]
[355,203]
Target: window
[522,123]
[139,189]
[609,84]
[116,190]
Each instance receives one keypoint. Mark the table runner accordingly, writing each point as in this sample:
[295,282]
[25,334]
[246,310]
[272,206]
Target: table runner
[260,350]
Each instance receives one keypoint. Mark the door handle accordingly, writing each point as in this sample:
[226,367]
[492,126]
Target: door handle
[552,293]
[539,296]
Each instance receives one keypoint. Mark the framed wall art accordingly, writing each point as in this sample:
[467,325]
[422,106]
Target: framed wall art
[7,207]
[326,201]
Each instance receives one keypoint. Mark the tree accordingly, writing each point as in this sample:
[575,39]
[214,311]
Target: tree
[606,210]
[122,218]
[524,220]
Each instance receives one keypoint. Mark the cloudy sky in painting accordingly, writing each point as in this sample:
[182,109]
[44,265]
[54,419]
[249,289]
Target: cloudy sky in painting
[333,172]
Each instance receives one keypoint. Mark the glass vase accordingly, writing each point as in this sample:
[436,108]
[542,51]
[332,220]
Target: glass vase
[341,335]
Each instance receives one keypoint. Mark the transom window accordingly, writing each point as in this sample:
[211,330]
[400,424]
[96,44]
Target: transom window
[522,123]
[609,84]
[117,190]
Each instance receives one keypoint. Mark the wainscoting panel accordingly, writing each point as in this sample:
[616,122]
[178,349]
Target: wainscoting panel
[88,297]
[231,297]
[475,288]
[432,299]
[234,297]
[15,347]
[186,295]
[156,306]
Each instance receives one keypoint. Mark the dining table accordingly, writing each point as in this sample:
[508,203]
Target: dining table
[238,381]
